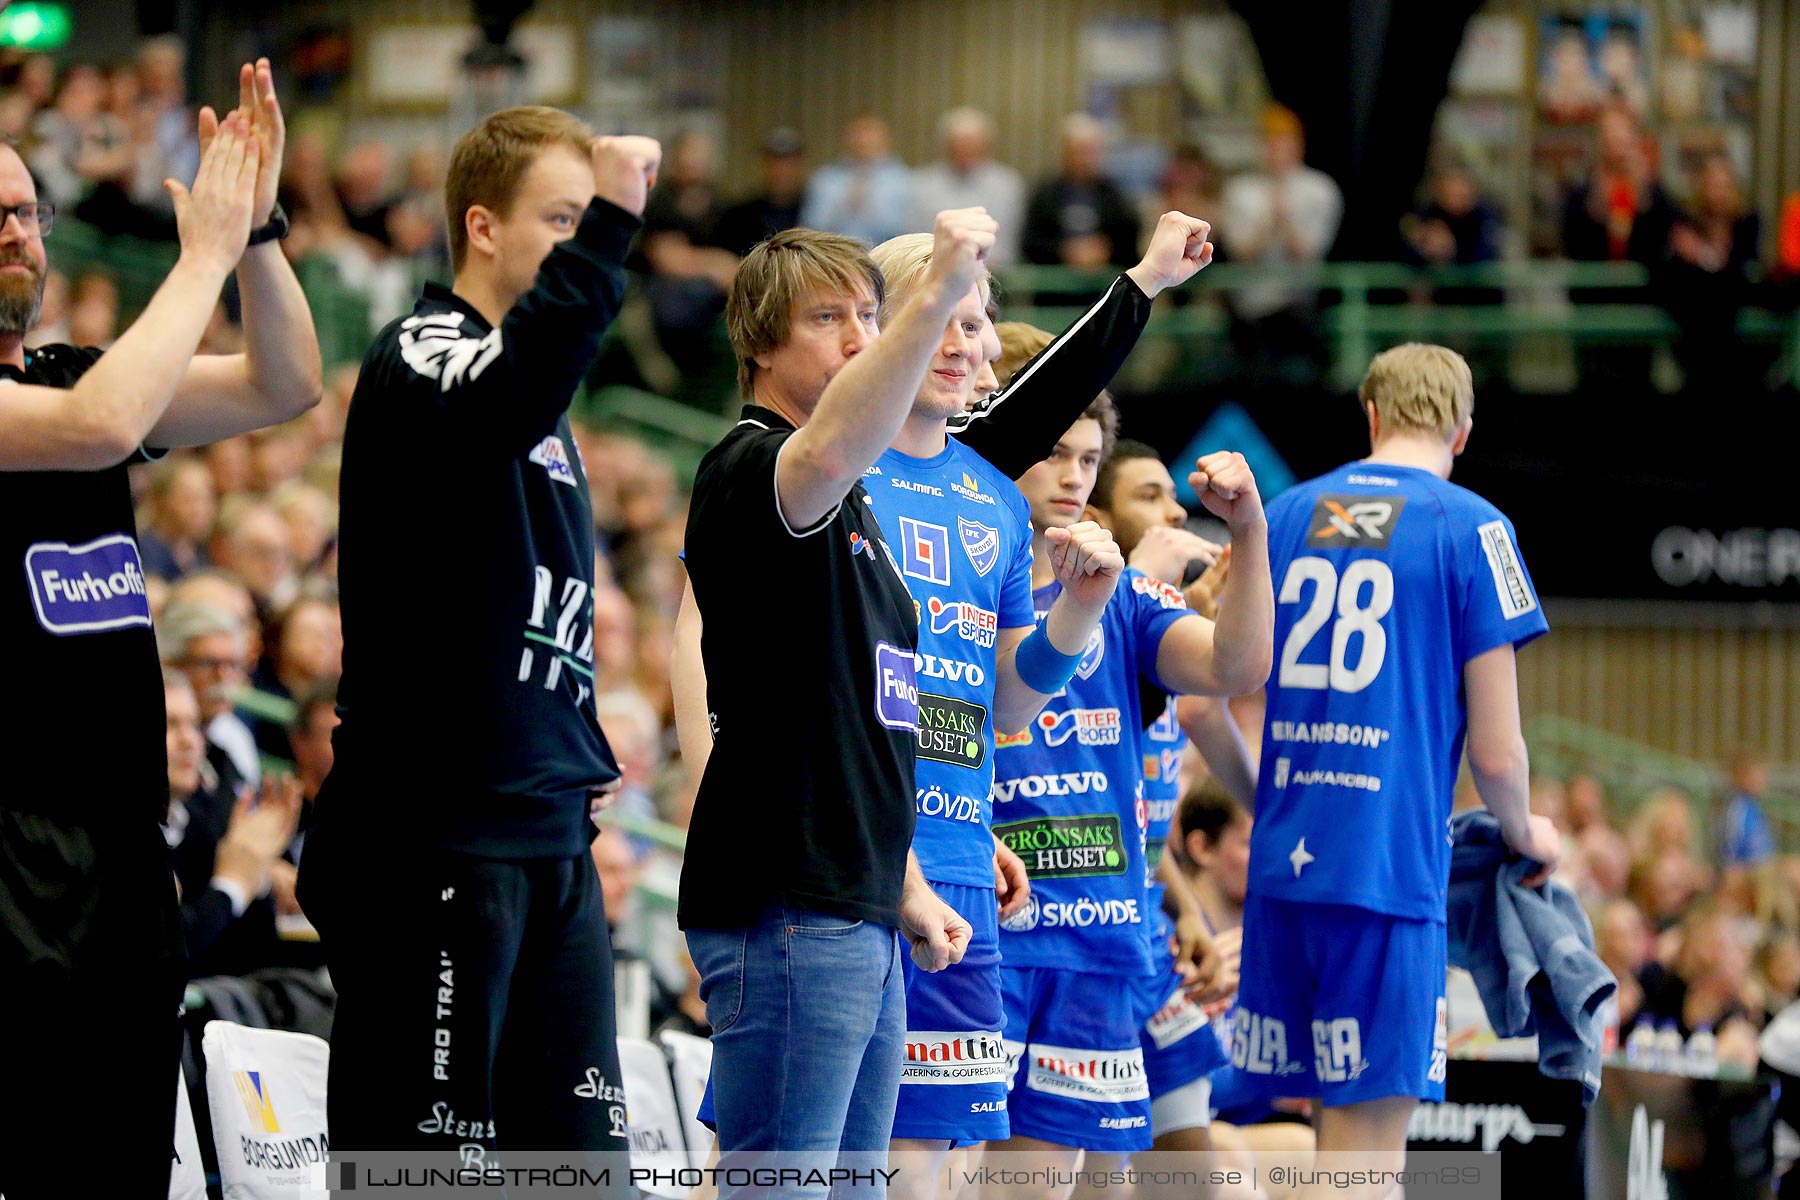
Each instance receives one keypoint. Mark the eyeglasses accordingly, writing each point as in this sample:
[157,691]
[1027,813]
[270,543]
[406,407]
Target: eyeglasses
[35,217]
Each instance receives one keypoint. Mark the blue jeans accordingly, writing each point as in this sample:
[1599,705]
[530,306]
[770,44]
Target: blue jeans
[809,1026]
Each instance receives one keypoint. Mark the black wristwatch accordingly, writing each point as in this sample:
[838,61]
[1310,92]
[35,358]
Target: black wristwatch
[273,230]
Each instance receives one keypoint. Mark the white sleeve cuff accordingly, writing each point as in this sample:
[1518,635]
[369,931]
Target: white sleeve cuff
[234,892]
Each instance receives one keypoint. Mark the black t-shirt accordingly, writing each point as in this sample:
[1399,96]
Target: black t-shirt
[809,639]
[466,564]
[84,740]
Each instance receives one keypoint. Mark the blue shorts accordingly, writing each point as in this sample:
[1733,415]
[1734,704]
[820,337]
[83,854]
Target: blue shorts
[1180,1048]
[1361,990]
[1079,1073]
[953,1083]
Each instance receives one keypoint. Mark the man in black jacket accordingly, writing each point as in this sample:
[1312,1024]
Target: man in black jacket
[449,876]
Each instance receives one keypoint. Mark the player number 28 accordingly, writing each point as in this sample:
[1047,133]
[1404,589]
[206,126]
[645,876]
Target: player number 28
[1357,612]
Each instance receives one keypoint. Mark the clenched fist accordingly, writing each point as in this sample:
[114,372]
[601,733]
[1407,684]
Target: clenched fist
[1178,249]
[625,170]
[1087,562]
[1227,488]
[960,241]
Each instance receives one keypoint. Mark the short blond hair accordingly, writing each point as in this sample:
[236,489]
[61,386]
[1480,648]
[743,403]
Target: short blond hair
[1420,387]
[489,163]
[1019,344]
[903,262]
[781,273]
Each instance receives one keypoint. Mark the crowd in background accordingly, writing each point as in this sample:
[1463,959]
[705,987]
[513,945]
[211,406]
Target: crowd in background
[101,138]
[239,537]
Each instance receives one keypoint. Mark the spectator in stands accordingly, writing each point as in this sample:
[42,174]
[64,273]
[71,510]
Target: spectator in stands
[655,630]
[1744,838]
[1079,217]
[309,736]
[364,194]
[315,716]
[61,135]
[416,220]
[1622,940]
[615,638]
[1664,824]
[1191,183]
[620,867]
[168,123]
[688,277]
[616,860]
[1661,838]
[250,541]
[685,199]
[1621,213]
[1584,799]
[173,528]
[224,848]
[93,309]
[310,516]
[36,81]
[229,462]
[781,167]
[310,199]
[1777,976]
[16,115]
[1662,887]
[1287,214]
[867,193]
[1607,863]
[308,654]
[208,644]
[1455,226]
[109,162]
[968,177]
[1706,282]
[222,589]
[1704,985]
[632,730]
[278,455]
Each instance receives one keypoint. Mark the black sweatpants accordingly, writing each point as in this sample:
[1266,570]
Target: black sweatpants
[475,1002]
[91,976]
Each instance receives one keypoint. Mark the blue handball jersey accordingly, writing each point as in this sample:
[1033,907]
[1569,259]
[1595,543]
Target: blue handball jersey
[1068,796]
[1161,742]
[960,533]
[1387,581]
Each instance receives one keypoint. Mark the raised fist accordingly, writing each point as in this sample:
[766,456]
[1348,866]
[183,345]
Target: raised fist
[625,170]
[960,241]
[1227,488]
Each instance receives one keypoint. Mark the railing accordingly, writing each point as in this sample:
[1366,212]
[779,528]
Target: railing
[1533,297]
[1373,305]
[1630,770]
